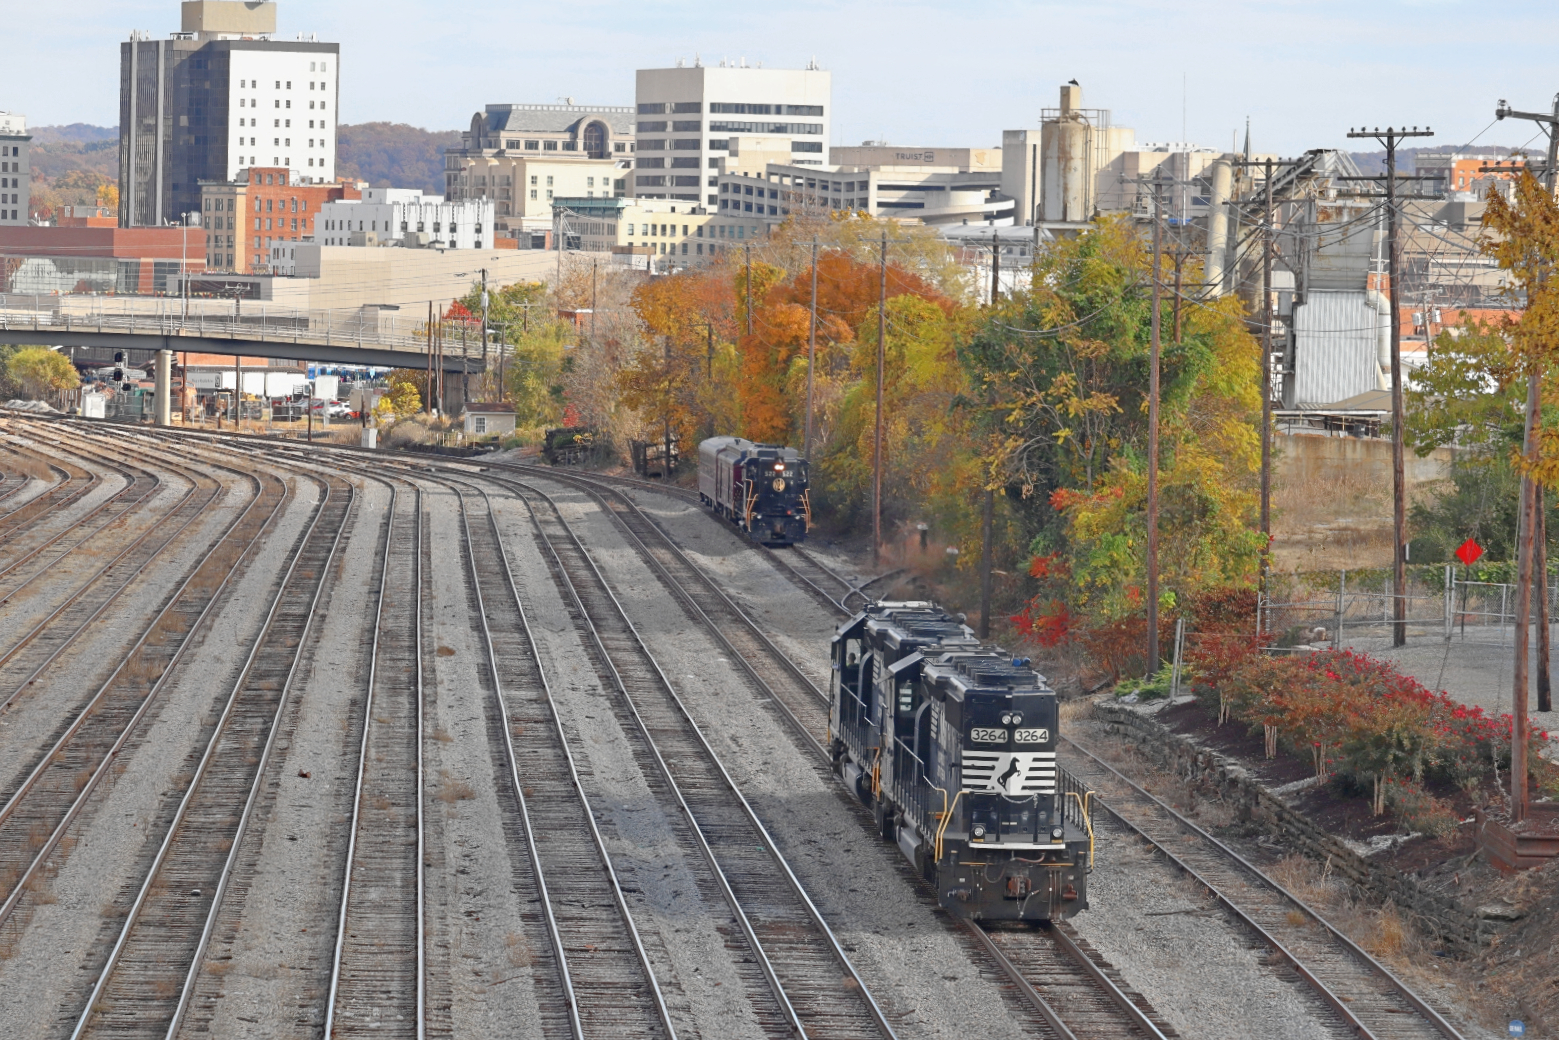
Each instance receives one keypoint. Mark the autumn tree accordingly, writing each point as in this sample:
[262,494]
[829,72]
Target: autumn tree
[1065,367]
[403,400]
[38,371]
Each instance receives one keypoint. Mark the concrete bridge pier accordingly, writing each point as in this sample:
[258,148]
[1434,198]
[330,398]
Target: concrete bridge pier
[165,388]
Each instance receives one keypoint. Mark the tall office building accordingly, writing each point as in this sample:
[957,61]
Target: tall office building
[217,97]
[15,169]
[693,119]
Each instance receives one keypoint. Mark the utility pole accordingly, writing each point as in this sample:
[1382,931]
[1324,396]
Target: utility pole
[1153,358]
[995,267]
[749,290]
[1389,137]
[485,369]
[1266,384]
[427,383]
[882,332]
[806,439]
[594,270]
[1530,524]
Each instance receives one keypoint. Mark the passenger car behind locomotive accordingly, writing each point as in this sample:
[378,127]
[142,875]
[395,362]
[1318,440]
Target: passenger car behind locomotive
[952,744]
[761,488]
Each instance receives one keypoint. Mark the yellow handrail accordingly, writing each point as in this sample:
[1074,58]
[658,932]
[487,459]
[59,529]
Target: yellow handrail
[1082,805]
[947,817]
[877,773]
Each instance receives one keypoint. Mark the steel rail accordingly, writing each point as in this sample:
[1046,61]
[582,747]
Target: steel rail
[754,944]
[576,1013]
[201,769]
[87,584]
[273,730]
[127,506]
[144,703]
[820,699]
[776,556]
[1340,1003]
[712,758]
[721,599]
[356,822]
[58,497]
[1004,964]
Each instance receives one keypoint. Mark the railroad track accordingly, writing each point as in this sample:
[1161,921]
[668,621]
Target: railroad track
[146,983]
[75,483]
[38,810]
[1367,998]
[798,952]
[378,968]
[819,581]
[806,708]
[33,651]
[601,976]
[1081,994]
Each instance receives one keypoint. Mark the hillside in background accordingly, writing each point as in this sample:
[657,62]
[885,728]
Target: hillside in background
[70,163]
[394,155]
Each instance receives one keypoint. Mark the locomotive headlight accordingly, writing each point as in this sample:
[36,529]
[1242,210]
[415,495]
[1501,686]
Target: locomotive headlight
[1006,720]
[979,831]
[1017,719]
[1057,833]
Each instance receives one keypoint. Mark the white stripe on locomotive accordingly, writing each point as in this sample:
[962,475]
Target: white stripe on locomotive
[1009,772]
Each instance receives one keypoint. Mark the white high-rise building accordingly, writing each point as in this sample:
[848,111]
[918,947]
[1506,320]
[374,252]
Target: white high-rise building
[15,169]
[219,96]
[692,118]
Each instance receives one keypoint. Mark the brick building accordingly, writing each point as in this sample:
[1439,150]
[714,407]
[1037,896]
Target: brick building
[98,259]
[264,206]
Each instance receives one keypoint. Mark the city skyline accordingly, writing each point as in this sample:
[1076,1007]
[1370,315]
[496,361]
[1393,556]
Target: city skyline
[1195,67]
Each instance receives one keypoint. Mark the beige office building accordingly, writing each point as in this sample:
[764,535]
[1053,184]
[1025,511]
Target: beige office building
[522,156]
[688,117]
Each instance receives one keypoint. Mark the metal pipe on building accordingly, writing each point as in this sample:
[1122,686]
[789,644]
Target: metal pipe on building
[1218,227]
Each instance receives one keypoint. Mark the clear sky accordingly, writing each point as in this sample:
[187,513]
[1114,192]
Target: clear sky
[914,73]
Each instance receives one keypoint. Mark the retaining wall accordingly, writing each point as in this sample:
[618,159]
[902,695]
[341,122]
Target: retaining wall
[1456,925]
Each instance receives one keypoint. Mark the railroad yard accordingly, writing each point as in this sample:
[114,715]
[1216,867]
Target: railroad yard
[303,742]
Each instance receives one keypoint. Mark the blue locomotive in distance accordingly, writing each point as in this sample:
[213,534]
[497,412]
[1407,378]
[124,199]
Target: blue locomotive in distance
[952,744]
[761,488]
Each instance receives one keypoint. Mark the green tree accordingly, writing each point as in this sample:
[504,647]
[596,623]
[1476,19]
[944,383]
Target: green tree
[39,370]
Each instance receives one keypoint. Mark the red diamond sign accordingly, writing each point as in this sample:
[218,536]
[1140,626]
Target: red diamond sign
[1468,552]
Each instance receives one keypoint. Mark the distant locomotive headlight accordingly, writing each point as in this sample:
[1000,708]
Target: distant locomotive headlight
[979,831]
[1017,719]
[1006,719]
[1057,832]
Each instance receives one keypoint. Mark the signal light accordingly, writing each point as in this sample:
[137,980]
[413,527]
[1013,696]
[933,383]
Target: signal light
[119,357]
[119,375]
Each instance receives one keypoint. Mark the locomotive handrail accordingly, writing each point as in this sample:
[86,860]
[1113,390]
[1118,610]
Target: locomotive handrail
[1082,807]
[947,817]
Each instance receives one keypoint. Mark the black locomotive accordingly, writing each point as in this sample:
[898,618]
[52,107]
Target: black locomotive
[761,488]
[952,744]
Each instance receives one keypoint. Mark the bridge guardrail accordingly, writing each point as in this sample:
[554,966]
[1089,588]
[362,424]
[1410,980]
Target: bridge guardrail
[222,319]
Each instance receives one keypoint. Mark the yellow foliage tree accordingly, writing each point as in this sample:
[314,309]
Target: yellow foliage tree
[39,370]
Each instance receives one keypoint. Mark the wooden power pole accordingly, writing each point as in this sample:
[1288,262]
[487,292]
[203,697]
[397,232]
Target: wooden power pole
[1531,527]
[1153,360]
[1389,137]
[882,354]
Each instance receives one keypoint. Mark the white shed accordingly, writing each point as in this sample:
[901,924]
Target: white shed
[485,420]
